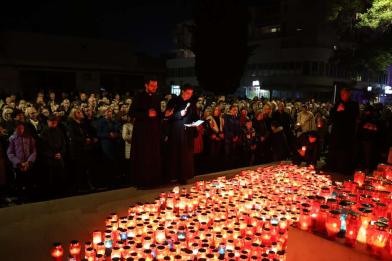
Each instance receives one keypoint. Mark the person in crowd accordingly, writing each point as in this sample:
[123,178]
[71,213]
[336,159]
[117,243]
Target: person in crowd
[3,162]
[7,121]
[305,121]
[279,146]
[22,153]
[146,137]
[109,133]
[263,151]
[267,117]
[127,131]
[53,149]
[284,119]
[322,130]
[180,112]
[215,134]
[77,140]
[249,143]
[344,116]
[232,133]
[33,124]
[92,146]
[307,149]
[243,117]
[369,139]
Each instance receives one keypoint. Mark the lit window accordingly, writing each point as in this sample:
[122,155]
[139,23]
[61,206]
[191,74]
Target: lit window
[274,30]
[255,83]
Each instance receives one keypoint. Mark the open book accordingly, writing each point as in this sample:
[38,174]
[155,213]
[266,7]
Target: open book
[194,124]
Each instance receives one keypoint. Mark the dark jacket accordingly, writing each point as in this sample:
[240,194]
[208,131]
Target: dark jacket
[76,139]
[231,128]
[52,142]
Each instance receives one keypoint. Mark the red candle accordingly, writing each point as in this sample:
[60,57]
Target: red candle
[352,226]
[377,237]
[359,177]
[74,249]
[57,252]
[321,218]
[332,224]
[97,237]
[305,220]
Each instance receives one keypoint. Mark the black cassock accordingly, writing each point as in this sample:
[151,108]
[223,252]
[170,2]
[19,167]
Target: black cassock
[146,140]
[181,139]
[341,147]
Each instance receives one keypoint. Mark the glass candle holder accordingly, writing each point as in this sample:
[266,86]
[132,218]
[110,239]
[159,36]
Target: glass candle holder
[377,237]
[366,217]
[57,252]
[305,220]
[352,227]
[359,178]
[321,218]
[332,223]
[90,254]
[75,249]
[160,235]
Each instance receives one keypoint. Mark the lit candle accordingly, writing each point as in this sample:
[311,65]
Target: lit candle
[352,225]
[97,237]
[332,224]
[359,178]
[305,220]
[74,249]
[378,237]
[57,252]
[160,235]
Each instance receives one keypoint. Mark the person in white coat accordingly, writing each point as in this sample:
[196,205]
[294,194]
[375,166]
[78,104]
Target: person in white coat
[127,131]
[305,121]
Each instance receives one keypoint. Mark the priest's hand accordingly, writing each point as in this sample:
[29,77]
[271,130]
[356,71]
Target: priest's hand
[183,113]
[152,113]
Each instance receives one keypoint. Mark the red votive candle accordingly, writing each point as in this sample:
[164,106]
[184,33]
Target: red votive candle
[359,178]
[332,224]
[57,252]
[74,249]
[377,237]
[352,227]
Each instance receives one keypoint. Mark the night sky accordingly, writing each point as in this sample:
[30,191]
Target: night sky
[148,25]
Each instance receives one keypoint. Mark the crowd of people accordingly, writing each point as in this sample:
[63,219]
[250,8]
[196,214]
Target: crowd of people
[56,146]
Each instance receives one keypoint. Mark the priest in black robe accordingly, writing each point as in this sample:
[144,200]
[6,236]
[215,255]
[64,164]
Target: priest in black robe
[146,138]
[181,110]
[344,118]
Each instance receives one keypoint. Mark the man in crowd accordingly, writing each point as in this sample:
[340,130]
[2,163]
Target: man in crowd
[181,111]
[53,147]
[146,138]
[344,116]
[109,132]
[232,132]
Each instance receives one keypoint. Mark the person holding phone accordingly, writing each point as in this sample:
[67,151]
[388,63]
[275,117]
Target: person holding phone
[181,111]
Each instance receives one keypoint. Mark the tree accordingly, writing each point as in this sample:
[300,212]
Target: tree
[220,44]
[367,26]
[378,17]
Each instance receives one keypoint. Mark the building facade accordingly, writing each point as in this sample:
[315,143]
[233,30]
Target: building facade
[292,50]
[30,62]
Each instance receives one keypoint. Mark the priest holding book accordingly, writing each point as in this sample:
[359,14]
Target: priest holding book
[181,116]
